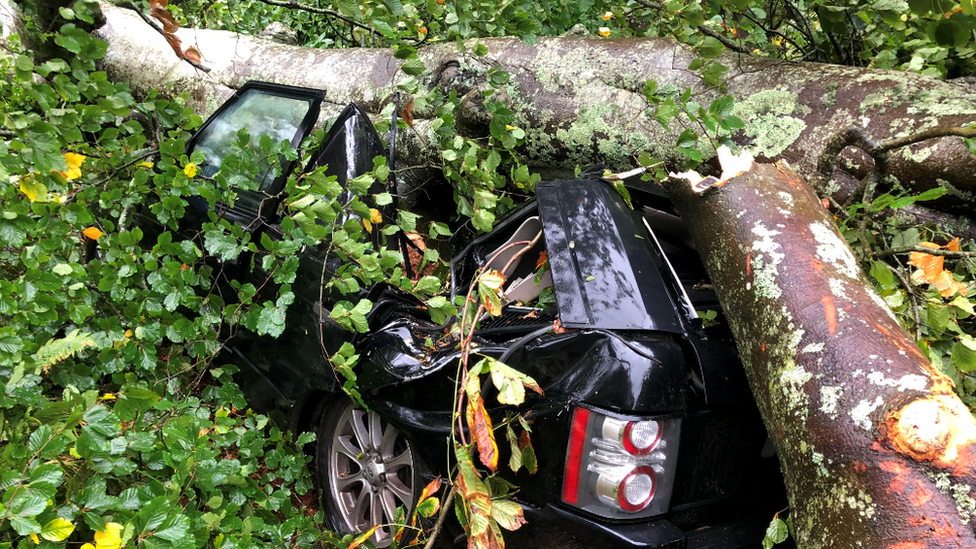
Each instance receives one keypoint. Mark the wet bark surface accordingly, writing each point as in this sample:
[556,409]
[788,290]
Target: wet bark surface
[877,450]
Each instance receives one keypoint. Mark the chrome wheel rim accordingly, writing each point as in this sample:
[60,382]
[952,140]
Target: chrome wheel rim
[371,470]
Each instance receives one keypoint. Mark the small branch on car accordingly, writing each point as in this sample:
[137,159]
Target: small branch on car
[448,505]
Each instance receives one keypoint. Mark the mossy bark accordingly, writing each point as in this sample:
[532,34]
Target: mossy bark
[580,99]
[877,451]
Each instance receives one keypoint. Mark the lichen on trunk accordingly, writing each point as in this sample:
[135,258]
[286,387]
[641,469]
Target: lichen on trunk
[875,446]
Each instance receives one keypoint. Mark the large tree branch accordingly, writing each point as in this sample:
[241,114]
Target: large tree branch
[874,444]
[580,100]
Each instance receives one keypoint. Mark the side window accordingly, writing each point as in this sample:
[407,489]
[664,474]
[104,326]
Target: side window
[259,111]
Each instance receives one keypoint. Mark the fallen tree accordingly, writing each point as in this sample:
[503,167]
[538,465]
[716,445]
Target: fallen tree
[874,444]
[581,100]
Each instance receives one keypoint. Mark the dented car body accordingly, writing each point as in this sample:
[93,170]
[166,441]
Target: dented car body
[646,434]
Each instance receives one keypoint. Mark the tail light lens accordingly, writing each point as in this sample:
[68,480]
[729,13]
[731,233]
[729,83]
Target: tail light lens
[620,466]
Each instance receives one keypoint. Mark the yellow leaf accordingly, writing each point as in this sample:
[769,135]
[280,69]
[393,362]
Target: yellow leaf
[375,216]
[33,538]
[74,453]
[604,31]
[87,546]
[74,161]
[111,538]
[32,188]
[144,165]
[57,529]
[368,225]
[92,233]
[190,170]
[107,396]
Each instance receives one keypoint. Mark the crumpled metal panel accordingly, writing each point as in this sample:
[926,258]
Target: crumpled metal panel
[604,272]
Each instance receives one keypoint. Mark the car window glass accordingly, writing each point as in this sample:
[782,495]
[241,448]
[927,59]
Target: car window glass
[261,112]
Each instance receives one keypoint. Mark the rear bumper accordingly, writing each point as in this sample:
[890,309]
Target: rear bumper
[552,527]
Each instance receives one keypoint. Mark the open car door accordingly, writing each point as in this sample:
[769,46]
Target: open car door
[283,113]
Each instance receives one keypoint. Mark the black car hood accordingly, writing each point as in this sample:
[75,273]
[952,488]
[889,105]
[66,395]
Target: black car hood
[605,270]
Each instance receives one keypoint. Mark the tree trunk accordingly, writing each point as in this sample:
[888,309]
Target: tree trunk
[876,449]
[580,100]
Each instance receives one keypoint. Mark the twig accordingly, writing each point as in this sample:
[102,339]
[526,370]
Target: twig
[769,31]
[931,251]
[159,29]
[702,29]
[728,43]
[291,4]
[441,517]
[911,296]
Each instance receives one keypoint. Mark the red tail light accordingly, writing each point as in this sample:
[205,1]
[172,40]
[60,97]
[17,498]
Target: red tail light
[620,467]
[574,457]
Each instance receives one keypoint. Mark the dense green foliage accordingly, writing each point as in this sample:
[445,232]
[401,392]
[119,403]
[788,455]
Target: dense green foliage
[120,423]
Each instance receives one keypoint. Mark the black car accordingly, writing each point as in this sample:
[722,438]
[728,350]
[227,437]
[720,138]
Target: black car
[646,435]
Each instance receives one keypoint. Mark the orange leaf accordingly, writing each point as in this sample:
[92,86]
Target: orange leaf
[407,114]
[543,257]
[430,489]
[479,423]
[92,233]
[929,265]
[953,245]
[359,541]
[193,54]
[174,42]
[165,17]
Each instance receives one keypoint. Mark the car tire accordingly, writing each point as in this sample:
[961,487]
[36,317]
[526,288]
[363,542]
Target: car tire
[366,468]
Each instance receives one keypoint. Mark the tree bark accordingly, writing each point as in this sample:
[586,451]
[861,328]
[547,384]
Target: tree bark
[876,448]
[580,99]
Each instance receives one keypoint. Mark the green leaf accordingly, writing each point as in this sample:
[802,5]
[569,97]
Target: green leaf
[964,304]
[395,7]
[938,316]
[25,526]
[57,529]
[428,284]
[405,52]
[710,47]
[511,383]
[428,507]
[174,528]
[28,503]
[881,273]
[776,532]
[101,420]
[507,514]
[932,194]
[414,67]
[349,8]
[483,220]
[964,354]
